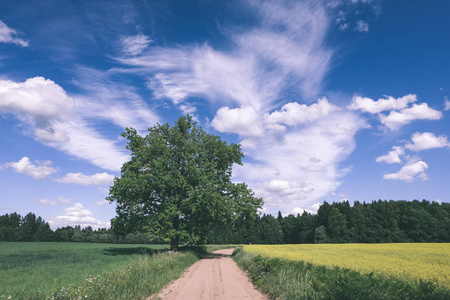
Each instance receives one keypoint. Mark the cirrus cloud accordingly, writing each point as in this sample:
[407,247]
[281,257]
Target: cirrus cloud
[9,35]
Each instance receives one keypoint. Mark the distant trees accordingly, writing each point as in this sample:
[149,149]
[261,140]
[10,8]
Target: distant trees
[15,228]
[376,222]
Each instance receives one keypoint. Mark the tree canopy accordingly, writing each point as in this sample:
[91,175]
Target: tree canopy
[178,183]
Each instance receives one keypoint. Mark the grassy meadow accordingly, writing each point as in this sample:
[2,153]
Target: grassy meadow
[28,270]
[410,262]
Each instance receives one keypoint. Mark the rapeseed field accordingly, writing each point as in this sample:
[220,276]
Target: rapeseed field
[410,262]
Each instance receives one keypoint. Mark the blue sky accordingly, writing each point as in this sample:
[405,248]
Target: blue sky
[330,100]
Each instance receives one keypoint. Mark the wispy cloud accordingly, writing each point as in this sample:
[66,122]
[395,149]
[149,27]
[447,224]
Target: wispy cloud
[362,26]
[9,35]
[56,202]
[134,45]
[287,43]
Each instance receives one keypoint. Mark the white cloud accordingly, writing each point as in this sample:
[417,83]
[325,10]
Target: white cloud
[362,26]
[411,171]
[427,140]
[77,215]
[24,166]
[244,121]
[446,104]
[80,178]
[58,201]
[103,202]
[111,100]
[293,114]
[68,123]
[416,112]
[9,35]
[134,45]
[38,102]
[393,156]
[287,43]
[389,103]
[306,166]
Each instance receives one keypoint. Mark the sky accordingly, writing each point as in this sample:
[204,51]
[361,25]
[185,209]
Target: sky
[330,100]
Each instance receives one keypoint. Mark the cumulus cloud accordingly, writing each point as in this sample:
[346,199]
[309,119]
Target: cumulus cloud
[294,114]
[393,156]
[134,45]
[80,178]
[396,119]
[67,123]
[9,35]
[77,215]
[306,166]
[38,102]
[244,121]
[400,111]
[58,201]
[24,166]
[412,170]
[383,104]
[426,140]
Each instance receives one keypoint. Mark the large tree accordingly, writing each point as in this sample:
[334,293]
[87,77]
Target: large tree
[178,183]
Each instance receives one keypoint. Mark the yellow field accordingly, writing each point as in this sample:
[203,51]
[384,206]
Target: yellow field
[403,261]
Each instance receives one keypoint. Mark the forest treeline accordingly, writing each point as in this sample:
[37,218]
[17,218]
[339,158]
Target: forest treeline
[376,222]
[339,222]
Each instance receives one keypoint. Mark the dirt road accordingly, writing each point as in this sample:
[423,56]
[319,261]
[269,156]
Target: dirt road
[215,277]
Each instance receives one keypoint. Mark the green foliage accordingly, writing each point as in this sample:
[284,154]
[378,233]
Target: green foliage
[177,184]
[299,280]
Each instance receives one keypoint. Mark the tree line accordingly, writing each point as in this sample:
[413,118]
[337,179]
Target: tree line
[339,222]
[15,228]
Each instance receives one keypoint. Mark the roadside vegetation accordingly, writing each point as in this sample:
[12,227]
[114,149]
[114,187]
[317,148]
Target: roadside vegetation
[297,279]
[91,271]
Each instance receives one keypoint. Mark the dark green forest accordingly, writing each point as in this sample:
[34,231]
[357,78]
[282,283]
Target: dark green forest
[339,222]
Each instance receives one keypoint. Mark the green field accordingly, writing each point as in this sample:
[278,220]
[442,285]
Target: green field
[29,269]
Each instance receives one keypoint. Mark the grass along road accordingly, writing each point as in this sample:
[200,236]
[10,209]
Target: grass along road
[32,269]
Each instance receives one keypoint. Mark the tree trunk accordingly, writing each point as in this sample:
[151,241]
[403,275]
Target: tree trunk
[176,239]
[174,243]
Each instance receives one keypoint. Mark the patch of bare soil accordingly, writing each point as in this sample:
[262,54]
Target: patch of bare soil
[215,277]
